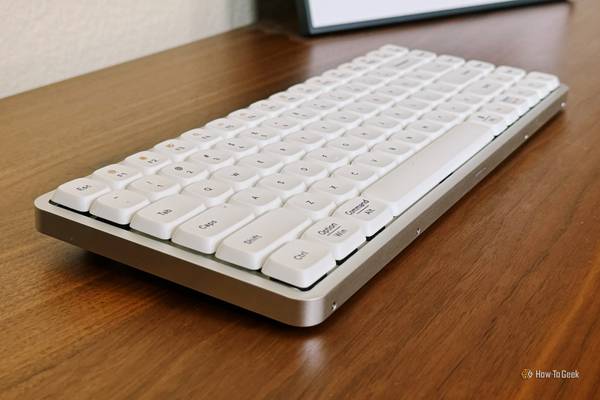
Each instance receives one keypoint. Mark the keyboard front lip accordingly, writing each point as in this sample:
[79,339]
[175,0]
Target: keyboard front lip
[271,298]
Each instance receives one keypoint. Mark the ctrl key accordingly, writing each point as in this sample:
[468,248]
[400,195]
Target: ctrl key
[79,193]
[299,263]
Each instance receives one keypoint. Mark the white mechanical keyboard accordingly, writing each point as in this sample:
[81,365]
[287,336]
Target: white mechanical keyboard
[277,205]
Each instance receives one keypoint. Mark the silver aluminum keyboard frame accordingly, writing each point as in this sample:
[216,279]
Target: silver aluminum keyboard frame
[256,292]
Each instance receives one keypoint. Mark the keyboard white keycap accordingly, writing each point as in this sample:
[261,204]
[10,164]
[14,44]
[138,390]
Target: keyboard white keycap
[480,65]
[201,138]
[324,82]
[357,175]
[428,96]
[531,96]
[329,129]
[248,116]
[288,99]
[515,73]
[346,119]
[409,85]
[79,193]
[283,185]
[350,146]
[299,263]
[269,107]
[412,179]
[362,109]
[495,122]
[370,215]
[398,50]
[149,162]
[239,177]
[385,74]
[212,159]
[210,191]
[400,114]
[421,76]
[320,106]
[238,147]
[353,89]
[225,127]
[256,199]
[306,89]
[340,75]
[355,68]
[442,88]
[339,97]
[484,88]
[307,171]
[502,79]
[425,127]
[176,149]
[416,106]
[118,206]
[338,190]
[282,126]
[117,176]
[370,81]
[302,115]
[461,76]
[393,92]
[308,140]
[403,64]
[379,162]
[312,205]
[367,61]
[252,244]
[184,173]
[340,235]
[379,99]
[468,99]
[367,134]
[547,78]
[451,60]
[160,219]
[205,231]
[423,54]
[445,119]
[509,113]
[398,150]
[155,187]
[260,136]
[328,158]
[384,54]
[461,110]
[383,123]
[540,87]
[287,152]
[519,103]
[264,164]
[435,67]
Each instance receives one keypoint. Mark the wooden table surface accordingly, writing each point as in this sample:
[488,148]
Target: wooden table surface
[508,279]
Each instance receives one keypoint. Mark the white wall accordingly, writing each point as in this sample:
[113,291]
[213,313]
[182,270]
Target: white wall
[44,41]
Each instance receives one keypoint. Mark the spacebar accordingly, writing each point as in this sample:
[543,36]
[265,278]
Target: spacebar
[412,179]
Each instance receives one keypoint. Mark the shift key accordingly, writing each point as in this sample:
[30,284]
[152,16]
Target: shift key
[252,244]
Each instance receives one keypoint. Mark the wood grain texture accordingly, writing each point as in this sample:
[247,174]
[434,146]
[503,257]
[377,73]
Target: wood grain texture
[508,279]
